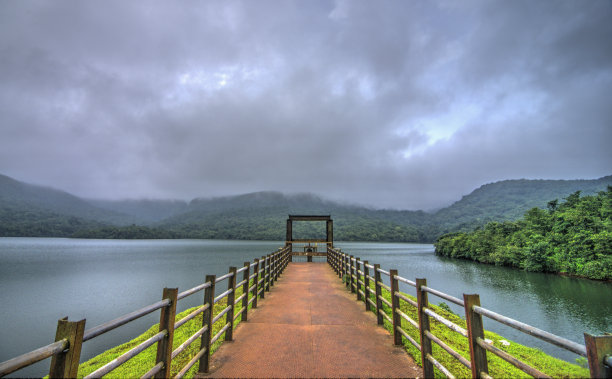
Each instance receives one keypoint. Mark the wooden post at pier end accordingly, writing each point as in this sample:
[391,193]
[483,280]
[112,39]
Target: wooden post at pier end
[66,364]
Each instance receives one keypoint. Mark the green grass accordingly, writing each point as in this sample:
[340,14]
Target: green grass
[498,368]
[144,361]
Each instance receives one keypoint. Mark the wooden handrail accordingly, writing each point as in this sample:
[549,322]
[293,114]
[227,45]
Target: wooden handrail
[343,264]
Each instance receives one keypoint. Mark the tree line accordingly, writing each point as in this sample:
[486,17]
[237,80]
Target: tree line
[573,237]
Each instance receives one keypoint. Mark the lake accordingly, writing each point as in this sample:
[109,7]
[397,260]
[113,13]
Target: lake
[45,279]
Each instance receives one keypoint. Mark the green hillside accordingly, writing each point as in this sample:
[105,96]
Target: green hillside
[17,195]
[573,237]
[509,200]
[28,210]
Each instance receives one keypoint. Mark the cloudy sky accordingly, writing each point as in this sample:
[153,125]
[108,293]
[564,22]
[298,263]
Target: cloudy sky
[402,104]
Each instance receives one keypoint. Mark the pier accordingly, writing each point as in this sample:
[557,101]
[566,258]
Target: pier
[332,316]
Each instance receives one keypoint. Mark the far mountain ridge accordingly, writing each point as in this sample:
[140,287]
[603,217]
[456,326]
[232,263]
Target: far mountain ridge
[261,215]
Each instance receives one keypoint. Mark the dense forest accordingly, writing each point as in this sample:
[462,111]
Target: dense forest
[28,210]
[573,237]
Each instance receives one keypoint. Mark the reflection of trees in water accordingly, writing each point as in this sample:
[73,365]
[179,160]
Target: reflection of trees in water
[561,299]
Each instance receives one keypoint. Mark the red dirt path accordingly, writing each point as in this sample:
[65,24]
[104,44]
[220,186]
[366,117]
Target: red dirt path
[309,325]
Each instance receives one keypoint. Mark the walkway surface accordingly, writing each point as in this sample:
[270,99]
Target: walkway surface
[309,325]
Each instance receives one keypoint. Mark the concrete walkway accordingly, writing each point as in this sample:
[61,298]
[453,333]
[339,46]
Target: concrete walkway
[309,325]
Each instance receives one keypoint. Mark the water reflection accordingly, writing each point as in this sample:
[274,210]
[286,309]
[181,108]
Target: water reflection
[100,280]
[561,305]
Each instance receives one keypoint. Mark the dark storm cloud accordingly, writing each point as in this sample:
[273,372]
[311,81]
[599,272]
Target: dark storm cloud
[400,104]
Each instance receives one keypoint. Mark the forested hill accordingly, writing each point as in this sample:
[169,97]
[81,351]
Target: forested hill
[27,210]
[509,200]
[572,237]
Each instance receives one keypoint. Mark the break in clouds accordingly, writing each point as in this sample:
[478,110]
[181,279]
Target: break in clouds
[400,104]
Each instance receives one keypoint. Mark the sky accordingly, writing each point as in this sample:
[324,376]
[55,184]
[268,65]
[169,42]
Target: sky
[390,104]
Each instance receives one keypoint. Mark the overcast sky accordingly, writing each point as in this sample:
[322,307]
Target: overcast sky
[400,104]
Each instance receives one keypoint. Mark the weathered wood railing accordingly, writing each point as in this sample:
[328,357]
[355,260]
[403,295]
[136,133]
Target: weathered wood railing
[360,280]
[66,350]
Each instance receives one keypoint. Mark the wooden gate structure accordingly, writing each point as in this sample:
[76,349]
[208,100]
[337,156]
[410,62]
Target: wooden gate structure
[310,250]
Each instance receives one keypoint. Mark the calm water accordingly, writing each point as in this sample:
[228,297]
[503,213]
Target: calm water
[45,279]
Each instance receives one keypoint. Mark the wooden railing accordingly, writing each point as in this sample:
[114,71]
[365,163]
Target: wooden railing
[360,276]
[257,278]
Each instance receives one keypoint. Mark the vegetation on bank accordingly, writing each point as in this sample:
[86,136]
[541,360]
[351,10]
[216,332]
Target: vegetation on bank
[143,362]
[571,238]
[140,364]
[33,211]
[498,368]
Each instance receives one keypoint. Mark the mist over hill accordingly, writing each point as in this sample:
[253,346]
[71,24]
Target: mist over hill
[29,210]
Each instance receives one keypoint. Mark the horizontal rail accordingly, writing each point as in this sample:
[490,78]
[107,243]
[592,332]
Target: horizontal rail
[385,301]
[223,277]
[449,349]
[404,280]
[110,325]
[32,357]
[216,337]
[193,290]
[384,272]
[110,366]
[189,341]
[407,318]
[445,322]
[443,295]
[241,269]
[224,311]
[154,370]
[440,366]
[383,285]
[240,298]
[385,316]
[407,336]
[190,364]
[238,313]
[224,294]
[406,299]
[190,316]
[531,330]
[371,302]
[510,359]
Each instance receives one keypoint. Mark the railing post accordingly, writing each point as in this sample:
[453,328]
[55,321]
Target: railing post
[475,329]
[245,291]
[278,265]
[599,348]
[272,270]
[397,320]
[378,292]
[366,284]
[256,289]
[263,276]
[166,322]
[423,302]
[207,317]
[357,277]
[231,284]
[347,267]
[352,273]
[268,272]
[66,364]
[333,261]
